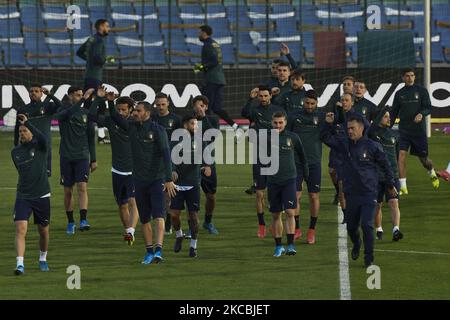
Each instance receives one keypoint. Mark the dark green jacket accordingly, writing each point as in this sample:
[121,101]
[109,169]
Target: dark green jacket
[30,160]
[93,51]
[212,62]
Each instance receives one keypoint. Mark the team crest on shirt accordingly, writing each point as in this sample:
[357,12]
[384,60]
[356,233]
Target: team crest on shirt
[316,121]
[84,117]
[289,142]
[32,153]
[41,110]
[364,110]
[170,123]
[393,140]
[150,136]
[416,95]
[299,120]
[301,102]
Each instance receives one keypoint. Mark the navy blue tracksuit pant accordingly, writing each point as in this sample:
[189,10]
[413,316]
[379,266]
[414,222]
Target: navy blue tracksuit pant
[360,210]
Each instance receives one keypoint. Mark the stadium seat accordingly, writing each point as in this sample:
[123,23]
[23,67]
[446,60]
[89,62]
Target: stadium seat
[286,27]
[97,12]
[197,50]
[130,55]
[14,56]
[35,41]
[14,28]
[85,29]
[247,49]
[306,14]
[31,17]
[228,54]
[63,53]
[437,52]
[154,56]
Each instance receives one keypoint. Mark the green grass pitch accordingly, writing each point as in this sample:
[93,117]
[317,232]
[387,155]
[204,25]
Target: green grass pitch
[235,264]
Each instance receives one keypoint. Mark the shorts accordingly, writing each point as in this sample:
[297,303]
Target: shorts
[383,191]
[214,92]
[191,197]
[209,184]
[314,178]
[418,144]
[91,83]
[123,188]
[40,208]
[282,197]
[73,171]
[334,159]
[149,199]
[259,180]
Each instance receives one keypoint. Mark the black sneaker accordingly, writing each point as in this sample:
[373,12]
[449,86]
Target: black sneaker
[379,235]
[192,252]
[368,261]
[355,250]
[397,235]
[251,190]
[177,246]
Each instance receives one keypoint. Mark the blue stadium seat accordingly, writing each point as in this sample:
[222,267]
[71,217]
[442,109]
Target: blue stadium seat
[258,8]
[228,54]
[31,17]
[177,36]
[164,14]
[282,8]
[445,37]
[215,8]
[98,12]
[85,29]
[131,55]
[133,33]
[354,25]
[286,27]
[38,62]
[195,49]
[16,58]
[148,8]
[437,52]
[219,25]
[191,8]
[124,9]
[14,28]
[154,55]
[248,49]
[63,51]
[35,42]
[307,14]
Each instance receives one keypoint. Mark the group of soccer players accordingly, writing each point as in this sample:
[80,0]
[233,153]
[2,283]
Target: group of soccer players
[364,163]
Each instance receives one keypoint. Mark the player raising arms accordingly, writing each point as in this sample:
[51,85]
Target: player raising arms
[77,154]
[33,190]
[306,123]
[152,174]
[261,116]
[411,105]
[294,98]
[122,163]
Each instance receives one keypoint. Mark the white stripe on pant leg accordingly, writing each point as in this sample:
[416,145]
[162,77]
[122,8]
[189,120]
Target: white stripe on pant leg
[344,276]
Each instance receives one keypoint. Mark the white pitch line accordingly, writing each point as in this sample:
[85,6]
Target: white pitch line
[344,276]
[415,252]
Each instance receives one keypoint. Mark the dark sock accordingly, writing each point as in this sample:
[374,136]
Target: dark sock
[278,241]
[224,115]
[168,223]
[336,186]
[297,222]
[83,214]
[149,248]
[208,218]
[158,248]
[290,238]
[261,221]
[70,216]
[312,223]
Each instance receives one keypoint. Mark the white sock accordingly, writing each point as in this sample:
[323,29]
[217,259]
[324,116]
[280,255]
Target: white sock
[130,230]
[179,233]
[235,126]
[395,228]
[448,168]
[432,173]
[380,229]
[194,243]
[402,182]
[101,133]
[19,261]
[42,256]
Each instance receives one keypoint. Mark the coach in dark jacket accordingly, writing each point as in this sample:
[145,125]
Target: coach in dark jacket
[360,157]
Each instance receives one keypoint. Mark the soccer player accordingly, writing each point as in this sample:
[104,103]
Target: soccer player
[284,50]
[261,116]
[152,174]
[93,51]
[208,183]
[293,99]
[284,84]
[281,186]
[363,106]
[381,132]
[411,105]
[347,87]
[214,77]
[169,121]
[40,113]
[77,154]
[187,178]
[360,159]
[306,123]
[122,164]
[33,190]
